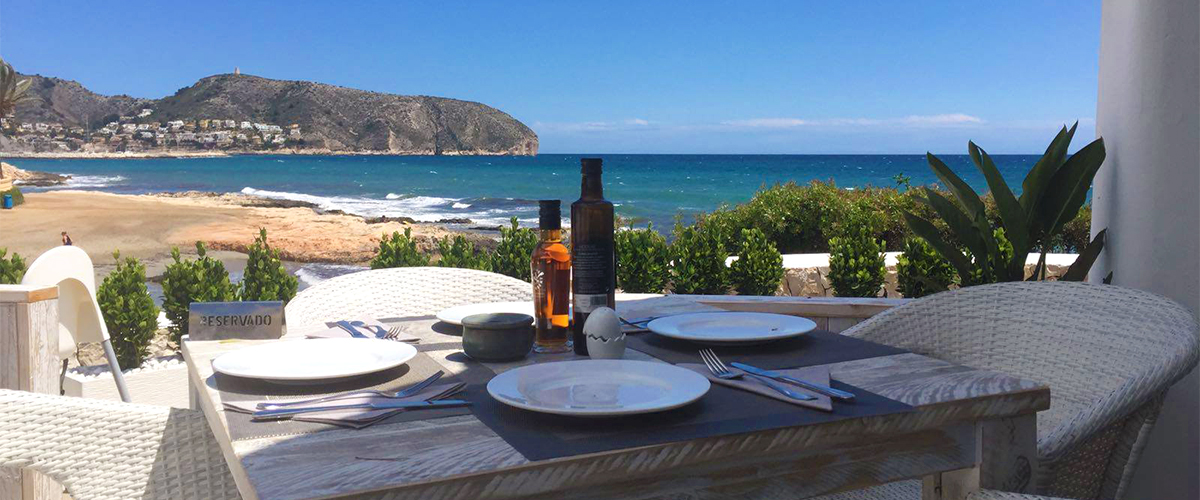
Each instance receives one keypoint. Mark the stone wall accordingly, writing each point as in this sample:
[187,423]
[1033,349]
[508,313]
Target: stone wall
[805,275]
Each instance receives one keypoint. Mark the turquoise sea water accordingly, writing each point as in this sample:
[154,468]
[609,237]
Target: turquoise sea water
[488,190]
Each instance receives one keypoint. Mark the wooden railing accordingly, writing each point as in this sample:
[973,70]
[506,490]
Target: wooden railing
[830,313]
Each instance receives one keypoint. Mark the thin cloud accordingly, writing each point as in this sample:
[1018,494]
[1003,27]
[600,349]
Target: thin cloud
[953,119]
[593,126]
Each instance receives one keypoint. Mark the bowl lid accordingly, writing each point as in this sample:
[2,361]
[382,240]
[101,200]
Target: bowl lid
[497,321]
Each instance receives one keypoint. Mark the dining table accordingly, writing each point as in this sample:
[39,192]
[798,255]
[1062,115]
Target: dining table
[964,429]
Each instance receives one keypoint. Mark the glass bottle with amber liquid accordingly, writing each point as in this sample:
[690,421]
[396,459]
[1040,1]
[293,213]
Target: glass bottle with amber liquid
[593,265]
[551,273]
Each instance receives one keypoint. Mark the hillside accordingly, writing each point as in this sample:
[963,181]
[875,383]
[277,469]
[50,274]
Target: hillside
[338,119]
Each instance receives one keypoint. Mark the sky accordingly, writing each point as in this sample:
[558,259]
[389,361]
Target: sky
[612,76]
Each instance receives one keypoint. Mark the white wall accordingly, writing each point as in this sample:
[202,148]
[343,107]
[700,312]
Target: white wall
[1148,196]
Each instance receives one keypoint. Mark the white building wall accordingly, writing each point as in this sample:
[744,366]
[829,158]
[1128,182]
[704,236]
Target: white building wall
[1148,196]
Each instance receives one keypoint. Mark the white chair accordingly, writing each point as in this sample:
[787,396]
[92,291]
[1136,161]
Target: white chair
[400,292]
[79,317]
[105,450]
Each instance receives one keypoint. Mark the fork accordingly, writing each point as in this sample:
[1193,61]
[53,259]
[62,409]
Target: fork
[719,370]
[403,393]
[393,333]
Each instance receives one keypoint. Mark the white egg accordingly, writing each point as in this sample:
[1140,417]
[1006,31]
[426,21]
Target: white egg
[605,340]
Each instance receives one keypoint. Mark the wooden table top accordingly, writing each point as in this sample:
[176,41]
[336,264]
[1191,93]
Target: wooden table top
[460,457]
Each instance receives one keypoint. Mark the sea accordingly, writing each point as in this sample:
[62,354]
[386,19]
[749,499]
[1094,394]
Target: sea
[489,190]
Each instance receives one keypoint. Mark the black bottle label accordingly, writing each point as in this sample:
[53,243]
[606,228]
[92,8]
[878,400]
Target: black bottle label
[592,265]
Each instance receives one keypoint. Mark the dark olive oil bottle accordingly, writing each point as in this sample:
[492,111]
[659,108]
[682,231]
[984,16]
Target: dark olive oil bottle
[593,265]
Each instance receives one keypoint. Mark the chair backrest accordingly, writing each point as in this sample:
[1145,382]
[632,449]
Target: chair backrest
[400,292]
[79,316]
[1108,354]
[106,450]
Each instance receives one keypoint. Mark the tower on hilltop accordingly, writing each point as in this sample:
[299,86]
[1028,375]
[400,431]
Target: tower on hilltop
[237,70]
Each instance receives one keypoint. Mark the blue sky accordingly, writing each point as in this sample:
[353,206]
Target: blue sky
[624,77]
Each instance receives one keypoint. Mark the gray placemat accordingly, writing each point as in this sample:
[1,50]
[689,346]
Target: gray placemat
[242,389]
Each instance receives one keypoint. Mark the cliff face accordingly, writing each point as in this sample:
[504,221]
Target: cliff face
[330,117]
[69,103]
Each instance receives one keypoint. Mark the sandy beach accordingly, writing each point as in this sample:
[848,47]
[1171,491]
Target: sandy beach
[147,226]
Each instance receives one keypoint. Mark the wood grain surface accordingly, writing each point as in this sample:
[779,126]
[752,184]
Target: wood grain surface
[461,458]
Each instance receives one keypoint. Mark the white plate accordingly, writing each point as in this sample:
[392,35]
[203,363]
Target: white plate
[455,315]
[598,387]
[314,359]
[731,327]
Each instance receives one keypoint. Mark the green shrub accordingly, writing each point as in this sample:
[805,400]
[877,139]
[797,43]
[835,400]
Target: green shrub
[981,275]
[460,252]
[398,251]
[514,252]
[265,277]
[698,265]
[129,311]
[921,271]
[643,260]
[856,264]
[758,269]
[187,281]
[12,269]
[17,197]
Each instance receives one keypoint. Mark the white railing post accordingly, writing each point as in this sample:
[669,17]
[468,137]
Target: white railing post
[29,362]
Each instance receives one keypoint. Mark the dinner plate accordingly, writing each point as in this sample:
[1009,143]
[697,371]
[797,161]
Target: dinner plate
[314,359]
[731,327]
[455,315]
[598,387]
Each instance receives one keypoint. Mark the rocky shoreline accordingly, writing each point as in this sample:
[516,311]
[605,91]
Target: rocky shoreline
[139,155]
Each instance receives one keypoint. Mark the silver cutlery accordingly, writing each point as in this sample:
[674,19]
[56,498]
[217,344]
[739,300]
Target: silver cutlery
[719,370]
[281,413]
[394,332]
[345,325]
[403,393]
[828,391]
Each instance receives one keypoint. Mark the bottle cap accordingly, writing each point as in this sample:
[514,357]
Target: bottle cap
[591,165]
[549,214]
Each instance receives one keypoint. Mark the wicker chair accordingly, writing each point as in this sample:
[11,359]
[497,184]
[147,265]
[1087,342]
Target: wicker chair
[132,452]
[1108,353]
[400,292]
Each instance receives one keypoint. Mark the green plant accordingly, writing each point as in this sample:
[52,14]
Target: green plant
[187,281]
[1052,194]
[265,277]
[15,192]
[398,251]
[643,260]
[128,310]
[12,269]
[513,252]
[459,252]
[758,269]
[698,265]
[856,263]
[12,90]
[920,271]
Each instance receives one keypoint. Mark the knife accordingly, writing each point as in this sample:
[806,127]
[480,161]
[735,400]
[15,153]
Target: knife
[828,391]
[345,325]
[384,405]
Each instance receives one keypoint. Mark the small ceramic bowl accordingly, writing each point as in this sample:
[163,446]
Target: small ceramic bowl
[497,336]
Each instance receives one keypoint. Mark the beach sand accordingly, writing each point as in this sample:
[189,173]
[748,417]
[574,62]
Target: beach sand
[147,226]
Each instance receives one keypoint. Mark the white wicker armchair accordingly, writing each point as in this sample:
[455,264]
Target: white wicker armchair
[106,450]
[400,292]
[1108,353]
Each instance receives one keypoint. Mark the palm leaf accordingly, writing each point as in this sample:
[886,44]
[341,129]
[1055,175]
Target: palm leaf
[1083,263]
[926,230]
[961,190]
[1039,176]
[1015,225]
[963,227]
[1060,205]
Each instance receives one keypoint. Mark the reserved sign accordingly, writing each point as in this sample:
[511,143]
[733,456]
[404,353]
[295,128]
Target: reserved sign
[235,320]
